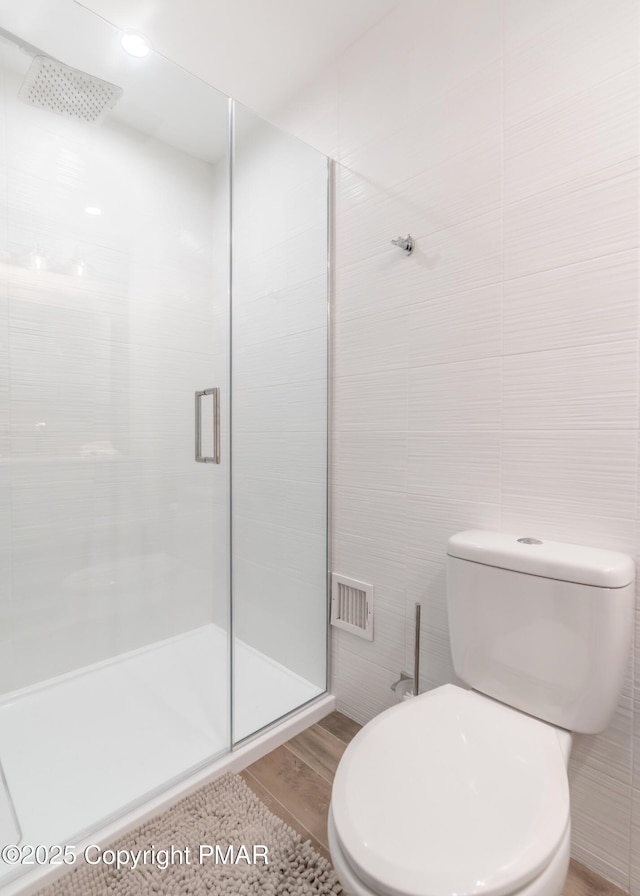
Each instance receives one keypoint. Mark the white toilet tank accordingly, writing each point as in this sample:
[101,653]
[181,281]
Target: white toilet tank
[540,625]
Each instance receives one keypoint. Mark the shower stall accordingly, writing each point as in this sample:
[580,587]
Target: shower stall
[163,426]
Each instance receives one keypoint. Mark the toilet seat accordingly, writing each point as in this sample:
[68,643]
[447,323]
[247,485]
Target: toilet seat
[451,793]
[551,881]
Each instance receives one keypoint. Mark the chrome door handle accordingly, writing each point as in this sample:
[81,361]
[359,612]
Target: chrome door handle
[200,458]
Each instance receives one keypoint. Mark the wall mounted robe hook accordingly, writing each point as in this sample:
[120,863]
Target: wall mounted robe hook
[405,242]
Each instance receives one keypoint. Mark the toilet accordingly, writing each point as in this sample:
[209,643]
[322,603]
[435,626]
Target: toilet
[464,790]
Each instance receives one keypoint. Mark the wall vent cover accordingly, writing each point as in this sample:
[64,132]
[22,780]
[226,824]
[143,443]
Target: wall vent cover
[352,606]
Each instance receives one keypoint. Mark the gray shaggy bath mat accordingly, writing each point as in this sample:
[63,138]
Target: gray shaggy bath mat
[226,814]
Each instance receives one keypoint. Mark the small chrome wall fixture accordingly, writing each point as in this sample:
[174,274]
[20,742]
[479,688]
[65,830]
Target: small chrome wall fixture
[405,242]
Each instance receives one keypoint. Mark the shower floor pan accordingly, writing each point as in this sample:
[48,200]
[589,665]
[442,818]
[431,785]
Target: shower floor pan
[80,750]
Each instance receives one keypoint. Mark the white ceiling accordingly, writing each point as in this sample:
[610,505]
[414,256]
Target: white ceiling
[261,52]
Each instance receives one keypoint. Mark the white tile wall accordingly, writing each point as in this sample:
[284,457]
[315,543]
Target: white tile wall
[589,217]
[491,379]
[599,304]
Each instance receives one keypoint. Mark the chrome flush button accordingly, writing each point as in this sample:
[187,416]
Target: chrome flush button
[529,541]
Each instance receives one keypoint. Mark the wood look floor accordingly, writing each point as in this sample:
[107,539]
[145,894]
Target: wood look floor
[295,780]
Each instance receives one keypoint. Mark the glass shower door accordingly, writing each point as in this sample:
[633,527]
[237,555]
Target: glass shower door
[114,269]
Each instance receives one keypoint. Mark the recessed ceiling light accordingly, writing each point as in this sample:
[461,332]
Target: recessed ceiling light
[93,210]
[135,44]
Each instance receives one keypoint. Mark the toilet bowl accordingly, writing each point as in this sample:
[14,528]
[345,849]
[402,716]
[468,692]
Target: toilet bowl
[464,792]
[452,793]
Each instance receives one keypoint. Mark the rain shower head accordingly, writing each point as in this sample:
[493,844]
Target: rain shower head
[51,85]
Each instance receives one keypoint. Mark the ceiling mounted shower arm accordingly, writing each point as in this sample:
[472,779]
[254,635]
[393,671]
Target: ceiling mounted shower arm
[407,243]
[23,45]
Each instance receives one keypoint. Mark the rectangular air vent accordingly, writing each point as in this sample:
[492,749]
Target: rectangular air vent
[352,606]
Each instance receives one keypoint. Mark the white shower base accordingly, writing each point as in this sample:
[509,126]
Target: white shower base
[84,748]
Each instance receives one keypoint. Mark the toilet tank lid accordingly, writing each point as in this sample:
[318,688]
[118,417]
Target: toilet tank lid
[539,557]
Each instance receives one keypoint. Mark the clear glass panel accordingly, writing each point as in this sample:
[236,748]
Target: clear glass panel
[279,424]
[113,540]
